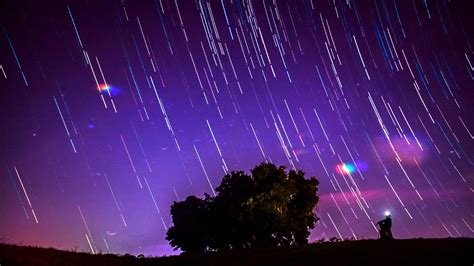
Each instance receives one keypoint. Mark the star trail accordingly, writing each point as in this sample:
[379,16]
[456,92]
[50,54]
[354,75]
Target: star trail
[111,110]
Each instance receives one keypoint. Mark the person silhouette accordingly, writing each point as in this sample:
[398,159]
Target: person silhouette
[385,227]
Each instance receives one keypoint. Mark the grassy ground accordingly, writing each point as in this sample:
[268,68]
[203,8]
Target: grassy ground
[450,251]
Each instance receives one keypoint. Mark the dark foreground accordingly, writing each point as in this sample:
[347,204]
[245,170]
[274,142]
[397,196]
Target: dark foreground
[451,251]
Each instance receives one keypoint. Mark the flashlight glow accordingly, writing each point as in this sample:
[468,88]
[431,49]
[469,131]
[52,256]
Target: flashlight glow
[387,213]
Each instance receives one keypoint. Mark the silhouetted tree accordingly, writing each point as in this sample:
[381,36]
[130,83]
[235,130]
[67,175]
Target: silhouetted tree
[190,230]
[271,207]
[229,216]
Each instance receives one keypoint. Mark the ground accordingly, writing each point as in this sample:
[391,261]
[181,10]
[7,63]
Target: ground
[450,251]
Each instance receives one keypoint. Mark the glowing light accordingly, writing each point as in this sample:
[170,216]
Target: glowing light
[349,168]
[104,87]
[387,213]
[345,168]
[108,89]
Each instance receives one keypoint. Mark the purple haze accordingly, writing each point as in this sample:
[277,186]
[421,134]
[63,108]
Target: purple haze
[112,110]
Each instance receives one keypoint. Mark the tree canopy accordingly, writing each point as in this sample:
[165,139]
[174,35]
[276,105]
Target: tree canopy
[271,207]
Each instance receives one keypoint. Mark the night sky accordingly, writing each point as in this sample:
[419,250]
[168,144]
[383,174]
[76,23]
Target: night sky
[110,110]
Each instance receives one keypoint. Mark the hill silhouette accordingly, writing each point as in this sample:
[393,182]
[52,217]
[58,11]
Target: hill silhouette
[449,251]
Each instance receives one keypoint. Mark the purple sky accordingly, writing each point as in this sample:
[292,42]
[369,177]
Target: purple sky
[199,88]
